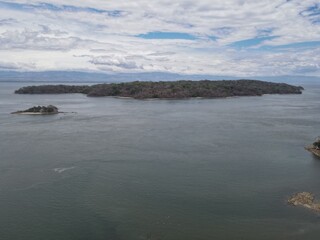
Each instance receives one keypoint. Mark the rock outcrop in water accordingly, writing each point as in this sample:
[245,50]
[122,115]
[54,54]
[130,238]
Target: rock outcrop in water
[315,147]
[304,199]
[39,110]
[170,90]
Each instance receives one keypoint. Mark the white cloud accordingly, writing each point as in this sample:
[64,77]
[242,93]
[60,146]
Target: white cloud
[97,35]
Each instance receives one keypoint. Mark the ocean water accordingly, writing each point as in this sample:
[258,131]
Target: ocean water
[125,169]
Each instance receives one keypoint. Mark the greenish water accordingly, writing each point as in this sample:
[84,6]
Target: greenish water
[175,170]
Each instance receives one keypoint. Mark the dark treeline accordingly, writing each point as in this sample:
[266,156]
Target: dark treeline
[170,89]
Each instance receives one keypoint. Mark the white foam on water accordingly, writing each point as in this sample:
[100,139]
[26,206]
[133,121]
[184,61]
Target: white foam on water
[60,170]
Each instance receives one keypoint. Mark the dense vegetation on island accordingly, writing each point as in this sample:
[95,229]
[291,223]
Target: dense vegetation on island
[170,89]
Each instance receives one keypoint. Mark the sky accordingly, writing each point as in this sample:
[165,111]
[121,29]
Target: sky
[229,37]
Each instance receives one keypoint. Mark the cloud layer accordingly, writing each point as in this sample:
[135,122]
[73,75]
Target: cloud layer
[230,37]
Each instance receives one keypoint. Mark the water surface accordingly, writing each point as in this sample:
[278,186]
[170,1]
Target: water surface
[162,169]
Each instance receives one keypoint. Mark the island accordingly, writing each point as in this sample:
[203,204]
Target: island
[304,199]
[39,110]
[170,89]
[315,147]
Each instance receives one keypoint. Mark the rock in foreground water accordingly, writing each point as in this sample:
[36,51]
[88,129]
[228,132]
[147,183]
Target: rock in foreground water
[313,150]
[304,199]
[315,147]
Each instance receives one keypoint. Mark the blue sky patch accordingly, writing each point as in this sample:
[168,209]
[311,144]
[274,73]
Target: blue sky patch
[312,13]
[212,38]
[311,44]
[167,35]
[251,42]
[14,6]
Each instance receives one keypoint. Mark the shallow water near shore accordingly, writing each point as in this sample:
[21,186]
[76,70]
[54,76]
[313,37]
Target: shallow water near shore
[163,169]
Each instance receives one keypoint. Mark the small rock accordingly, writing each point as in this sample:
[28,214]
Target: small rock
[40,110]
[304,199]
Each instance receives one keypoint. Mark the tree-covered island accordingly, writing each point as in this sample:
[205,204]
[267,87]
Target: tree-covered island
[170,89]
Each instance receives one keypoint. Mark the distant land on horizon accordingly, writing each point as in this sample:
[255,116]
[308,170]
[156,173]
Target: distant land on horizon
[95,77]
